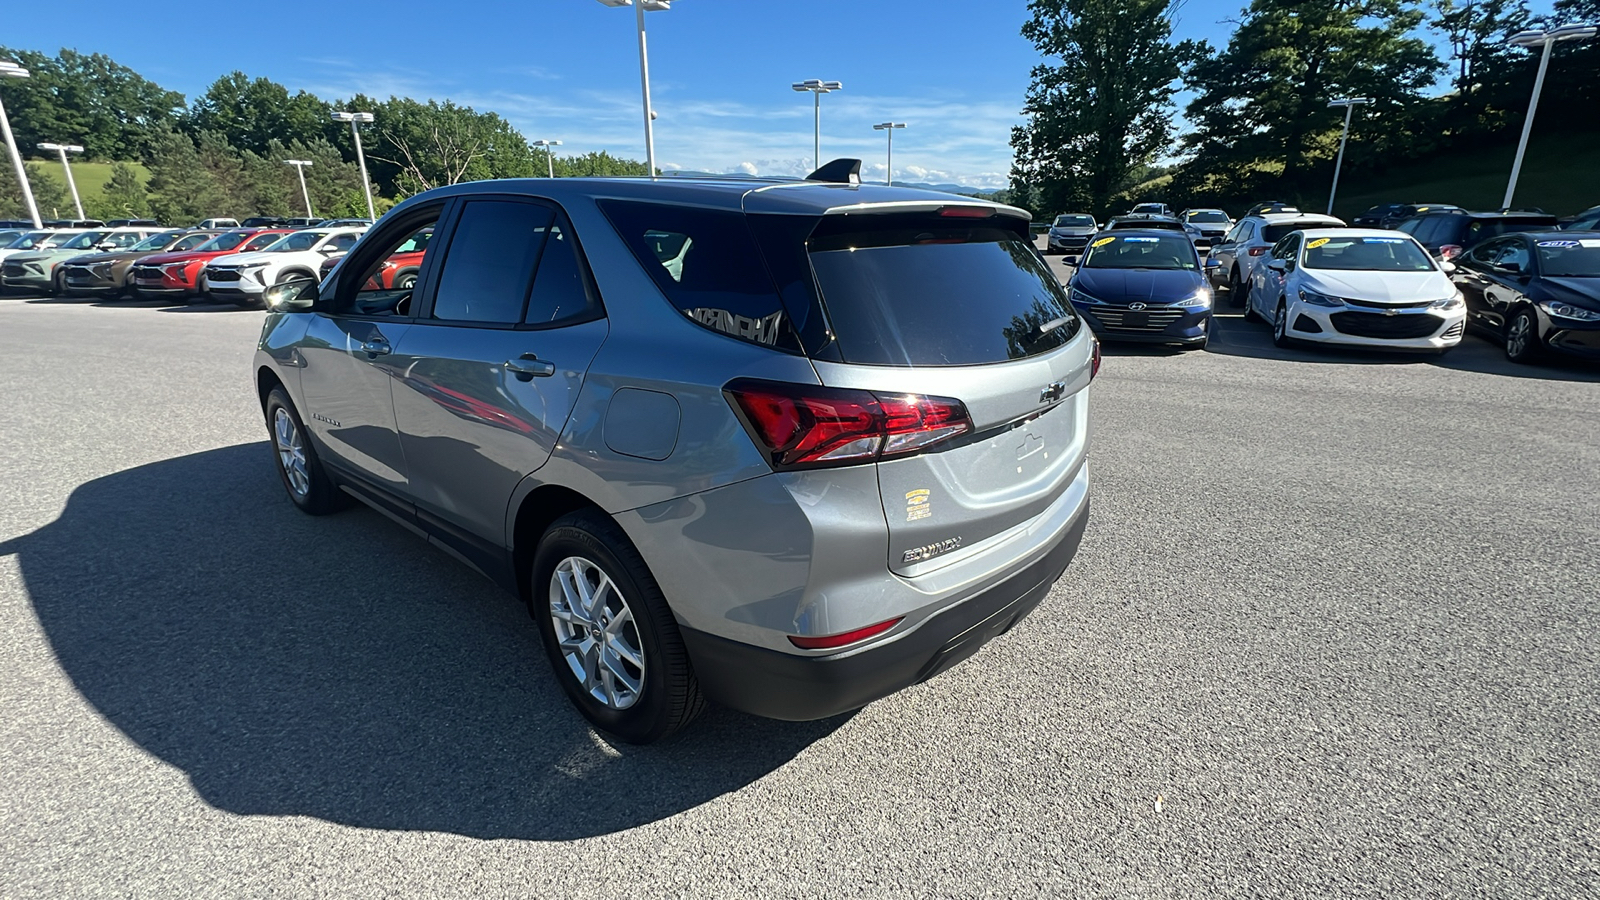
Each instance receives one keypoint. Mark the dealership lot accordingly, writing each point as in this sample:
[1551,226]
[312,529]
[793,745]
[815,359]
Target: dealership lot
[1330,632]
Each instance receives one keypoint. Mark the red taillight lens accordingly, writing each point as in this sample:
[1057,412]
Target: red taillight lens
[1094,361]
[832,641]
[1257,251]
[802,425]
[1449,252]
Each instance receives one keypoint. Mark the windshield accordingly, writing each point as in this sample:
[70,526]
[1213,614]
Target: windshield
[85,241]
[30,240]
[1140,251]
[6,237]
[222,242]
[1369,254]
[300,240]
[1570,258]
[155,241]
[1208,217]
[1075,221]
[188,243]
[1146,208]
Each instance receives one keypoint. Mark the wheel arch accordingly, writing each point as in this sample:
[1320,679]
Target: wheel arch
[266,380]
[542,506]
[293,271]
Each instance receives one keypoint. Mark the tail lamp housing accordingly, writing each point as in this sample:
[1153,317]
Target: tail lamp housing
[801,426]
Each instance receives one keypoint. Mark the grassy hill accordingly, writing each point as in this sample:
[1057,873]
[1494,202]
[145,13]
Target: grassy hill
[90,176]
[1560,175]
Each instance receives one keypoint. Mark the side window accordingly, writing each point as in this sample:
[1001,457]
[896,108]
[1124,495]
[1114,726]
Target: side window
[260,241]
[1232,234]
[340,243]
[560,291]
[1515,254]
[1485,254]
[488,268]
[1247,233]
[1280,250]
[189,242]
[375,280]
[1291,249]
[708,266]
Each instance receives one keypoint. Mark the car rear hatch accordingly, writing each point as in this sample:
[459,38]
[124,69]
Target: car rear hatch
[949,306]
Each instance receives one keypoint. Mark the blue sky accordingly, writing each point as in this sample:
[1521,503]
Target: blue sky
[954,70]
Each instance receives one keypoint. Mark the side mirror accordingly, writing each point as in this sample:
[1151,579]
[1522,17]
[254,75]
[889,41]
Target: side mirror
[105,245]
[291,296]
[1447,267]
[1278,265]
[1210,263]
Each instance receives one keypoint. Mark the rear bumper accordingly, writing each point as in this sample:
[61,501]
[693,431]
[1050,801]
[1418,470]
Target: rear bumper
[779,685]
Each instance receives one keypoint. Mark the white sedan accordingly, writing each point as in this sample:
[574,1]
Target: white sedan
[1357,287]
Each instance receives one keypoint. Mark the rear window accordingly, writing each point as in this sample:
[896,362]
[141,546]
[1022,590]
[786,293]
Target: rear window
[1484,229]
[1275,233]
[917,290]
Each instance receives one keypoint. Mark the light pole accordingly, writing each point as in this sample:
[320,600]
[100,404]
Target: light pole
[549,155]
[300,168]
[1349,104]
[1528,40]
[355,119]
[888,128]
[10,69]
[64,149]
[639,9]
[817,87]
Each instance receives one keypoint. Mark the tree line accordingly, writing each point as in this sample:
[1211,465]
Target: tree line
[222,153]
[1100,112]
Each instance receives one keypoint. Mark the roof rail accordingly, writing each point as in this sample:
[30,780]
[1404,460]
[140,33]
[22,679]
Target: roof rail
[838,171]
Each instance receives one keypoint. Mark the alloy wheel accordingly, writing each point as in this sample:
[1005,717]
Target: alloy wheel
[1280,322]
[291,452]
[596,633]
[1518,336]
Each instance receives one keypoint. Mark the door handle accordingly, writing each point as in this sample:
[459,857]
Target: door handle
[375,348]
[528,367]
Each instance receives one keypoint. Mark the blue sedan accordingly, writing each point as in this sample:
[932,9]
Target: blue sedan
[1145,286]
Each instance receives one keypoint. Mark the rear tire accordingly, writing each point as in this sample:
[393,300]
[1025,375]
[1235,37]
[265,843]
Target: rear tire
[1523,344]
[618,655]
[1238,292]
[304,479]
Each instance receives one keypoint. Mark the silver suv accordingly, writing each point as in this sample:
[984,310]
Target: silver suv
[786,446]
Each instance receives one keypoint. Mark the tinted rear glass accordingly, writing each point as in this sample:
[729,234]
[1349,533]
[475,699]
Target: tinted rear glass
[1484,229]
[1275,233]
[916,290]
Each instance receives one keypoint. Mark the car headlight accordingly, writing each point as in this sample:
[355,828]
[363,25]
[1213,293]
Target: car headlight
[1452,302]
[1200,299]
[1316,299]
[1568,311]
[1079,296]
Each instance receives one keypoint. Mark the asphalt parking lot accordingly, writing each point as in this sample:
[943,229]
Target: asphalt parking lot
[1331,633]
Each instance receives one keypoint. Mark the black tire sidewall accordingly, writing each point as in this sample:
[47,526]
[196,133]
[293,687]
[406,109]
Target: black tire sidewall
[323,497]
[584,535]
[1530,353]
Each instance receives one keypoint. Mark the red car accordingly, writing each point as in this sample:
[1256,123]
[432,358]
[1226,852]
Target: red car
[399,271]
[176,274]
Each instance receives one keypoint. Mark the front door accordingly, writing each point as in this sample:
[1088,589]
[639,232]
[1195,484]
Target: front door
[347,364]
[486,379]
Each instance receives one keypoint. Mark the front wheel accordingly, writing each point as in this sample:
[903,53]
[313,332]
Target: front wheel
[1280,326]
[1523,344]
[1238,291]
[303,476]
[609,633]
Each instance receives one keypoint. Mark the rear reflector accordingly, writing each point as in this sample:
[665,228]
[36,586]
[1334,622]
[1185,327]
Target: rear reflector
[833,641]
[965,212]
[1449,252]
[1094,362]
[808,426]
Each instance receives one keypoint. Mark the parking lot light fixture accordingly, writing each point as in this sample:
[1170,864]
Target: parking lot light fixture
[356,119]
[64,149]
[1349,104]
[300,168]
[888,128]
[549,155]
[817,87]
[639,9]
[1529,40]
[9,69]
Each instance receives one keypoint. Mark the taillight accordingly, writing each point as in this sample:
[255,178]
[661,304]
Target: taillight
[1094,361]
[801,426]
[1449,252]
[832,641]
[1257,251]
[965,212]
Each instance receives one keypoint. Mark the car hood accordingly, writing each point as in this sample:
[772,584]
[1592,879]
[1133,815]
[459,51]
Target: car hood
[1584,291]
[1150,285]
[165,259]
[253,258]
[45,256]
[1379,287]
[90,259]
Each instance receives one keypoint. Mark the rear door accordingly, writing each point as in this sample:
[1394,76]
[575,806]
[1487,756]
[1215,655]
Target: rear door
[964,311]
[486,379]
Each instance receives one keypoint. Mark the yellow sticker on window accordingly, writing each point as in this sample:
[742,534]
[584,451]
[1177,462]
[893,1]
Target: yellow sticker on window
[1102,242]
[1317,243]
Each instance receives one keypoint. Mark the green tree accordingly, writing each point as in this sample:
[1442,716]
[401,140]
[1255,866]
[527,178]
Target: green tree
[418,146]
[124,196]
[251,113]
[1103,108]
[49,192]
[1475,32]
[1262,123]
[111,110]
[589,165]
[182,189]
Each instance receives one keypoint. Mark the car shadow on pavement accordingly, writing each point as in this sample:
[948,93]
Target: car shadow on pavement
[340,668]
[1231,335]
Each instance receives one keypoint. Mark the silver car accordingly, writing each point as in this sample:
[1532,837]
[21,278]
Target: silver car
[1238,252]
[784,446]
